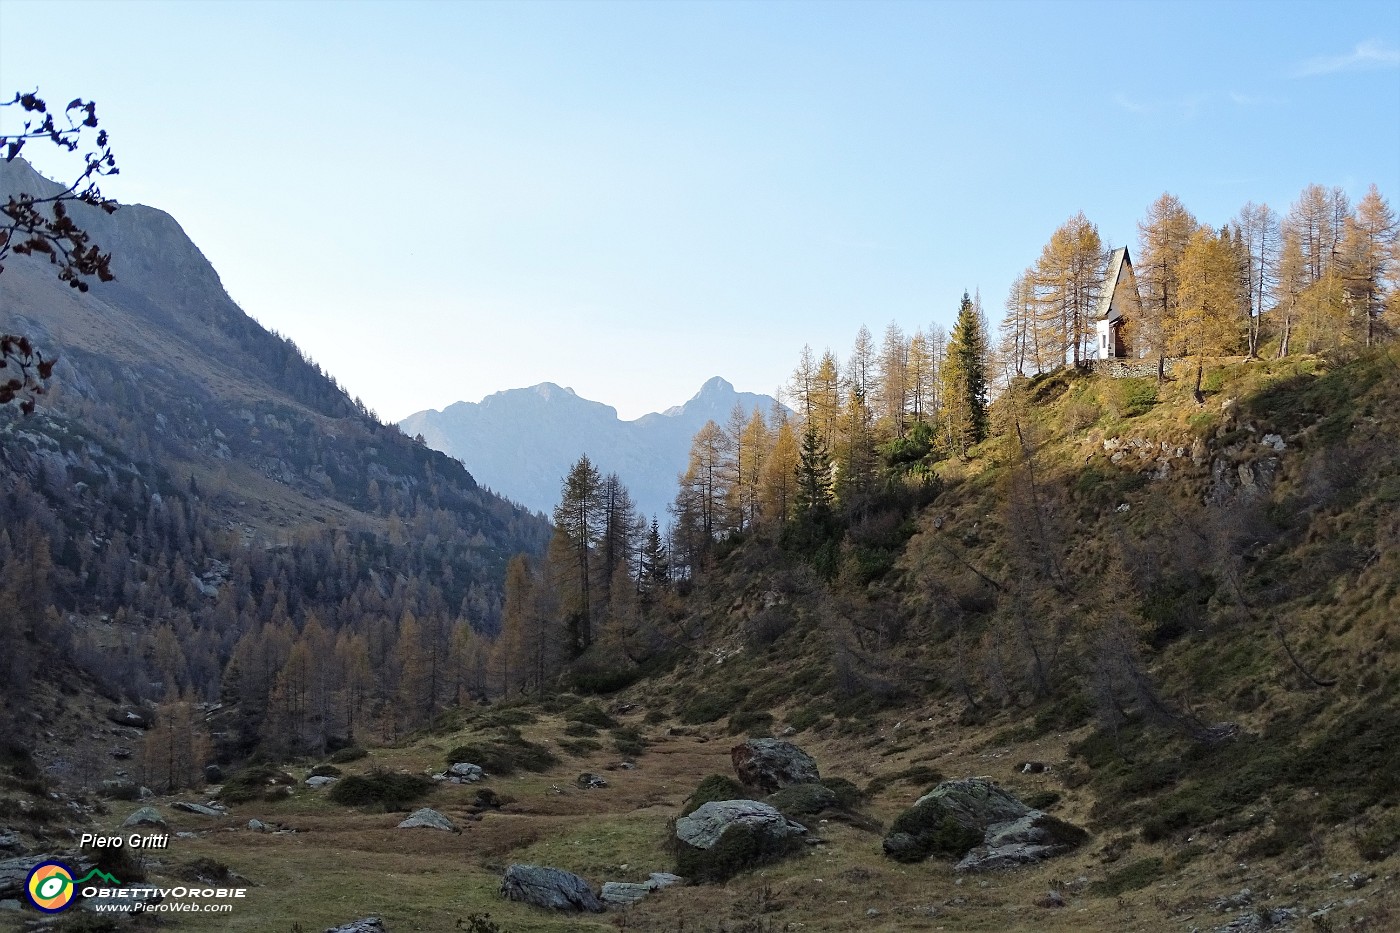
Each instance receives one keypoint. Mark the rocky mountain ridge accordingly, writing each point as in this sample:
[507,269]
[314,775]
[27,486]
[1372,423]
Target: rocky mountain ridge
[521,442]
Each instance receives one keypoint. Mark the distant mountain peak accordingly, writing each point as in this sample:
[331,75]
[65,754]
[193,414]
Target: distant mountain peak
[521,442]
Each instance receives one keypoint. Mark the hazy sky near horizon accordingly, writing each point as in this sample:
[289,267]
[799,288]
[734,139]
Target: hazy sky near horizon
[442,200]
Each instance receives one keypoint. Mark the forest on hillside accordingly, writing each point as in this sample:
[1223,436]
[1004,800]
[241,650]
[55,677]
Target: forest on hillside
[840,482]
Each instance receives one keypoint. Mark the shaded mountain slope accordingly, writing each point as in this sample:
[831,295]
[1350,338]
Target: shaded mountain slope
[193,471]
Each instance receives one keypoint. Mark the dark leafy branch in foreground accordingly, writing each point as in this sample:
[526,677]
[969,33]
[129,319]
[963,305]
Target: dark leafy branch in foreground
[31,225]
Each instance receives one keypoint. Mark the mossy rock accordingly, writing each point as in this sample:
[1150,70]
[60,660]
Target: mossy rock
[347,755]
[740,849]
[714,787]
[591,714]
[803,799]
[506,754]
[951,820]
[925,830]
[758,723]
[380,788]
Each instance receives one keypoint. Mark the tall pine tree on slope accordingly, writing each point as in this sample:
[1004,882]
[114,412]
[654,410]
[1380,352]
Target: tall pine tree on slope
[965,380]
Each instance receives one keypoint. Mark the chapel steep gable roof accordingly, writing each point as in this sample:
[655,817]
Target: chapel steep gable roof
[1120,272]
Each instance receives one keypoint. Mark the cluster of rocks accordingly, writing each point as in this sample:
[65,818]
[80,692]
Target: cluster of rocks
[981,825]
[556,889]
[627,893]
[463,772]
[720,838]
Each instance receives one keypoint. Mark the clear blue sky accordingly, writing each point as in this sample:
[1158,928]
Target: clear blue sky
[441,200]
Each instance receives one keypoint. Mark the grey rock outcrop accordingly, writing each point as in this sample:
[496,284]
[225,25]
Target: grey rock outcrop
[146,816]
[319,780]
[465,771]
[552,888]
[703,828]
[625,893]
[773,764]
[15,871]
[428,818]
[199,808]
[1031,838]
[365,925]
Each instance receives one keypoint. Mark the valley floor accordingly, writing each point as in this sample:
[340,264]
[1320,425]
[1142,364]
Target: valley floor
[341,863]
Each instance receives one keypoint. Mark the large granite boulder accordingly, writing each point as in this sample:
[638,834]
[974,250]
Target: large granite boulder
[772,764]
[980,824]
[724,837]
[428,818]
[553,888]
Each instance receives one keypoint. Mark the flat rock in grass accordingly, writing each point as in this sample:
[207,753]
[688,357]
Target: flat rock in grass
[428,818]
[319,780]
[199,808]
[146,816]
[466,771]
[624,893]
[773,764]
[552,888]
[366,925]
